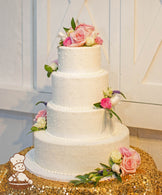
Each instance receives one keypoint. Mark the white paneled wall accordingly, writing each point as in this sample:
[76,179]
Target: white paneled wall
[14,133]
[132,33]
[18,94]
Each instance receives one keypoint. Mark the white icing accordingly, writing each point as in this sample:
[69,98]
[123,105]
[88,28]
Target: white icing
[79,59]
[64,157]
[78,90]
[80,123]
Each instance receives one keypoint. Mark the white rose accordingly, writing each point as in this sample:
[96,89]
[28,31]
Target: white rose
[62,36]
[41,123]
[116,168]
[54,66]
[115,100]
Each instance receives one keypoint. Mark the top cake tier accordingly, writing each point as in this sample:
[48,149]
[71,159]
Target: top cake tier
[79,59]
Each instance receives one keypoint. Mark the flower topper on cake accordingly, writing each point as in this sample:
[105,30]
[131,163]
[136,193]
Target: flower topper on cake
[40,119]
[76,36]
[80,35]
[121,162]
[111,98]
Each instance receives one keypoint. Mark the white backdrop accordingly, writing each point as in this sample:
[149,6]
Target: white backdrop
[132,53]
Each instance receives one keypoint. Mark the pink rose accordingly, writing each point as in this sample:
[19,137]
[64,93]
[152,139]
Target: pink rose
[128,165]
[106,103]
[41,113]
[67,42]
[88,29]
[136,157]
[98,40]
[131,160]
[78,38]
[125,151]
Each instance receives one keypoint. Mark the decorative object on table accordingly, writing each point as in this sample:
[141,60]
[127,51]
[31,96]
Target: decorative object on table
[122,162]
[18,179]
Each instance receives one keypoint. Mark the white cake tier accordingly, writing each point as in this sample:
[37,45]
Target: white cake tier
[78,123]
[62,159]
[78,90]
[79,59]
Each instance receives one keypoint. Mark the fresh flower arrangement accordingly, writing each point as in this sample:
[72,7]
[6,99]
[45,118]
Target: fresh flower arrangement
[111,98]
[40,119]
[80,35]
[51,68]
[121,162]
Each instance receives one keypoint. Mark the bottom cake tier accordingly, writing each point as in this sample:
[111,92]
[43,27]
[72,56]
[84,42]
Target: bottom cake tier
[62,159]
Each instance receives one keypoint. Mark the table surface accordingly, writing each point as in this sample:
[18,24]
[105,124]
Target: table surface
[147,180]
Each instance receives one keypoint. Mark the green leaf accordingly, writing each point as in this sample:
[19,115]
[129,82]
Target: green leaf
[76,182]
[110,173]
[49,74]
[105,166]
[33,128]
[97,180]
[122,95]
[66,29]
[48,68]
[61,43]
[118,177]
[87,175]
[41,102]
[105,172]
[81,177]
[111,162]
[30,132]
[97,105]
[73,25]
[98,169]
[111,111]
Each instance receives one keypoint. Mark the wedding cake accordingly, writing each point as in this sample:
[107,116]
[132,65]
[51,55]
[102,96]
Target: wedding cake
[79,136]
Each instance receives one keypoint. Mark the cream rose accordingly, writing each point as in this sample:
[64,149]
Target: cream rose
[90,41]
[116,156]
[41,123]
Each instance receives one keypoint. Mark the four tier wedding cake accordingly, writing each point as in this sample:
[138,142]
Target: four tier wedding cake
[79,135]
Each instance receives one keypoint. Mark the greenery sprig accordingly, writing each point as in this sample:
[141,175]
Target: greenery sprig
[111,112]
[107,105]
[95,176]
[73,26]
[43,121]
[49,69]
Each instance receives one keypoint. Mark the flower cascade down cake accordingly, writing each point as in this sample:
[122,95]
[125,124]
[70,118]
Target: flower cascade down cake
[79,135]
